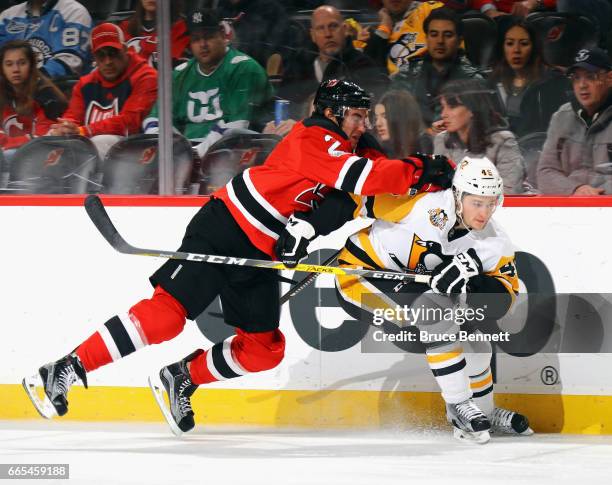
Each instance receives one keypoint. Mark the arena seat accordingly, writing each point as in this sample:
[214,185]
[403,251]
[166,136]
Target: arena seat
[531,149]
[231,155]
[100,10]
[562,35]
[66,84]
[4,4]
[53,165]
[131,165]
[480,36]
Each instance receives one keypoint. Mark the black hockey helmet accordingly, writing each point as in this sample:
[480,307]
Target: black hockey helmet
[340,95]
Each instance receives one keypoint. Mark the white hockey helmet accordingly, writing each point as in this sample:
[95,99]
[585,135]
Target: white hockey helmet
[477,176]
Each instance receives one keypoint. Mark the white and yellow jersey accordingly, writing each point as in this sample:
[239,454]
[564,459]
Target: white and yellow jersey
[415,233]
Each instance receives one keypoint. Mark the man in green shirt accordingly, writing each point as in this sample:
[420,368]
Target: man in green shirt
[219,89]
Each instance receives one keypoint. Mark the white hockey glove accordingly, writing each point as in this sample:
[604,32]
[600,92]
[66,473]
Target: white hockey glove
[292,244]
[452,276]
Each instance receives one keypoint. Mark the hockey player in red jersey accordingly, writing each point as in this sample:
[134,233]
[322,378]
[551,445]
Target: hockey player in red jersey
[244,219]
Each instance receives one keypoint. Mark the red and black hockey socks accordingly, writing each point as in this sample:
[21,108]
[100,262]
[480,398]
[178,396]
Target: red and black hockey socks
[148,322]
[238,355]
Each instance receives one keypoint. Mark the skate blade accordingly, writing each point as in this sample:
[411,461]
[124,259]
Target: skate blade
[476,437]
[158,391]
[503,432]
[527,432]
[32,385]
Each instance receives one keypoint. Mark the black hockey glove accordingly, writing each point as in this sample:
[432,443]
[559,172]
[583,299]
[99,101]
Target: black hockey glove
[438,171]
[452,276]
[292,244]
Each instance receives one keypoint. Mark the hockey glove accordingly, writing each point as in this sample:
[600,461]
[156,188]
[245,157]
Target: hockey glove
[437,170]
[452,276]
[292,244]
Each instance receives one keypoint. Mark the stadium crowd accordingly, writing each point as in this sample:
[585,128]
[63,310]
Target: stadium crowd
[526,83]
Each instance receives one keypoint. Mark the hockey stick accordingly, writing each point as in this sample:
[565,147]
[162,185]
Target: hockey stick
[98,215]
[294,290]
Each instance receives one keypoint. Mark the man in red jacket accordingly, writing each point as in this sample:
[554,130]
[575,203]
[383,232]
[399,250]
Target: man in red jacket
[111,101]
[244,219]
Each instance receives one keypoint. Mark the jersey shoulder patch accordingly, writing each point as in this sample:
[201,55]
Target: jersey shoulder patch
[239,59]
[181,67]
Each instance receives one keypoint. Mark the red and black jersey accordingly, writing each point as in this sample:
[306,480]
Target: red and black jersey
[117,107]
[313,158]
[145,42]
[16,130]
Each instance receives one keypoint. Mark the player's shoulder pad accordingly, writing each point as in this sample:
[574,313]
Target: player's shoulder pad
[493,244]
[318,121]
[369,142]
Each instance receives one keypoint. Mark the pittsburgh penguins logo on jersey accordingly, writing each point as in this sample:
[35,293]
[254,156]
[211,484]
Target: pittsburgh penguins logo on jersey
[508,269]
[438,218]
[97,112]
[420,250]
[403,48]
[311,197]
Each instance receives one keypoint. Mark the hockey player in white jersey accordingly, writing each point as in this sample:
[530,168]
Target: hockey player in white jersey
[471,259]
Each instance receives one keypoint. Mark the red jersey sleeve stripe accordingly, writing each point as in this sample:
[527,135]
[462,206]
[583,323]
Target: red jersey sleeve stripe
[349,173]
[259,198]
[253,211]
[363,177]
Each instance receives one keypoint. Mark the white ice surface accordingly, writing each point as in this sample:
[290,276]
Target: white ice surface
[103,453]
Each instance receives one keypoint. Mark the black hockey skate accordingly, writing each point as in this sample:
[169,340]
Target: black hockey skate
[469,422]
[56,379]
[504,421]
[176,381]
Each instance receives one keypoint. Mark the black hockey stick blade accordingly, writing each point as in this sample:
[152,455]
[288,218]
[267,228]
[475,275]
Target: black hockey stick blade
[98,215]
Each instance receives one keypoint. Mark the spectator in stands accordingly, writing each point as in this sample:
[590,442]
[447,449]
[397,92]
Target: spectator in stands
[141,36]
[58,31]
[399,34]
[29,102]
[258,26]
[578,141]
[336,58]
[112,101]
[443,62]
[529,91]
[475,128]
[519,8]
[220,89]
[399,126]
